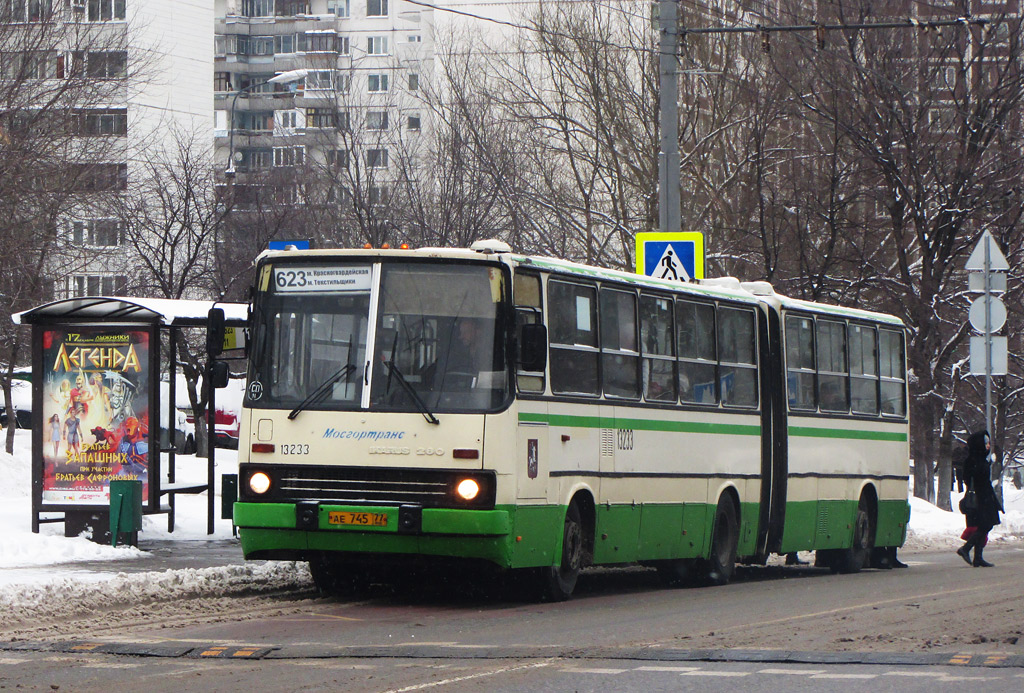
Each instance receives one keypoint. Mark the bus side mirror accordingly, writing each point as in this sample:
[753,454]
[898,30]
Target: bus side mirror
[219,374]
[215,332]
[533,347]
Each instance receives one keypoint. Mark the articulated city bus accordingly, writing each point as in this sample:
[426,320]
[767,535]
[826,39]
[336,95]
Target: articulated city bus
[543,416]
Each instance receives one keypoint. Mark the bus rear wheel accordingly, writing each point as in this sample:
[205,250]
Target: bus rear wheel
[558,582]
[851,560]
[721,564]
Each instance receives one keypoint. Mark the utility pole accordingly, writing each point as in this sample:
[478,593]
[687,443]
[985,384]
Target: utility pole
[668,110]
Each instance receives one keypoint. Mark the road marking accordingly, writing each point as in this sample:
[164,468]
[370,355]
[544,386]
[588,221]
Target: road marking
[801,672]
[595,670]
[671,669]
[504,670]
[844,676]
[12,660]
[715,673]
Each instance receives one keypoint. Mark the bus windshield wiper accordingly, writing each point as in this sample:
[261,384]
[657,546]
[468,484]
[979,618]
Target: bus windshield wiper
[393,371]
[320,392]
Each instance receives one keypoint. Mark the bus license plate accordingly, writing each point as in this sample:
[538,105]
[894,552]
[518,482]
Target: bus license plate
[359,519]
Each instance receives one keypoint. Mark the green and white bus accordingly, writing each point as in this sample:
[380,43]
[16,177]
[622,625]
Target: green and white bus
[544,416]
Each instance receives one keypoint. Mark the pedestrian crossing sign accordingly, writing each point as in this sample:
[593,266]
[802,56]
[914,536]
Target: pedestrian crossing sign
[673,256]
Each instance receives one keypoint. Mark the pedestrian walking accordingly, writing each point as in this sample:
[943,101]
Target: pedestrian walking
[980,505]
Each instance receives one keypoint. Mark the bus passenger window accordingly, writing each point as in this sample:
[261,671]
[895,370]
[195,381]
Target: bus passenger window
[619,355]
[572,326]
[695,339]
[657,343]
[832,372]
[800,362]
[736,351]
[893,380]
[863,370]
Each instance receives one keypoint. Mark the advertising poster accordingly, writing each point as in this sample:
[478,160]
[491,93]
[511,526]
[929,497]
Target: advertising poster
[95,412]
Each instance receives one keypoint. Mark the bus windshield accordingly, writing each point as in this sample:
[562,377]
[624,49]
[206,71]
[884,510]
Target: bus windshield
[439,344]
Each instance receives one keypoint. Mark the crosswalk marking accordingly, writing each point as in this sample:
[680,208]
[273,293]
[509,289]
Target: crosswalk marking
[845,676]
[668,669]
[801,672]
[715,673]
[594,670]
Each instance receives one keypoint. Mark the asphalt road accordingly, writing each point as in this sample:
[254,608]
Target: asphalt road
[938,625]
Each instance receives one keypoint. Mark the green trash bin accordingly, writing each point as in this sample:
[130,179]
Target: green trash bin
[125,510]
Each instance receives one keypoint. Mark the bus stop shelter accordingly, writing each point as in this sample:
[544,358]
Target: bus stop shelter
[97,365]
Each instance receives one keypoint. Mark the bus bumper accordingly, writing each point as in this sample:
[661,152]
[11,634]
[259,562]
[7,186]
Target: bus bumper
[294,531]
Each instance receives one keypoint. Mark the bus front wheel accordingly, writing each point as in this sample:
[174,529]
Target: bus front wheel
[558,582]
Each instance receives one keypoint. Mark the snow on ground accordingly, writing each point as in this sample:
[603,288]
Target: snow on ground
[38,569]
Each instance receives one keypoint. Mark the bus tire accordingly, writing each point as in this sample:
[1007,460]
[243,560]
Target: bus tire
[558,582]
[851,560]
[678,572]
[331,581]
[724,542]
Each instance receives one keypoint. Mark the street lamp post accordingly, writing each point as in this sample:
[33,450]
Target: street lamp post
[283,78]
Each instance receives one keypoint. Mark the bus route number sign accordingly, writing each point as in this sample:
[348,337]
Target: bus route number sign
[308,279]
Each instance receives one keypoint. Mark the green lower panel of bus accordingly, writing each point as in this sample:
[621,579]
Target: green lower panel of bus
[528,536]
[828,524]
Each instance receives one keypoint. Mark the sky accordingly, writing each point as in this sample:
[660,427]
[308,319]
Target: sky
[42,573]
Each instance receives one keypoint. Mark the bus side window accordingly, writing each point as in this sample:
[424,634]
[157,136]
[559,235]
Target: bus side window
[572,323]
[698,360]
[893,379]
[526,296]
[800,371]
[737,353]
[657,343]
[620,360]
[832,370]
[863,370]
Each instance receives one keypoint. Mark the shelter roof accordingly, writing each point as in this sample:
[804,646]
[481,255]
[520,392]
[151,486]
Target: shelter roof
[164,311]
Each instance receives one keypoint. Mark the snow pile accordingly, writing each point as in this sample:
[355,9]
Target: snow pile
[66,598]
[932,528]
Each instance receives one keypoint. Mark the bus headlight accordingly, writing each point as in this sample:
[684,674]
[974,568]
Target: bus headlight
[259,483]
[468,489]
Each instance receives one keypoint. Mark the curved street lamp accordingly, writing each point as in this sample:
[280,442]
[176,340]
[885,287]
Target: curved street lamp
[283,78]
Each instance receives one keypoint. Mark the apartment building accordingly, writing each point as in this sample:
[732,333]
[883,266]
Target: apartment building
[151,62]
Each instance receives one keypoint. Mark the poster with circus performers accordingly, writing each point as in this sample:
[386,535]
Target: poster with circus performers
[96,416]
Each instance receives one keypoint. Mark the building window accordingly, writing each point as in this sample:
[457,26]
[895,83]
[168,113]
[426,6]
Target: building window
[286,120]
[289,156]
[413,122]
[255,121]
[284,43]
[339,8]
[320,80]
[97,233]
[377,83]
[377,158]
[257,83]
[99,177]
[102,64]
[113,121]
[290,8]
[376,8]
[376,120]
[104,10]
[257,8]
[344,48]
[337,158]
[222,81]
[414,81]
[321,42]
[26,10]
[377,45]
[322,118]
[415,38]
[255,159]
[376,194]
[98,285]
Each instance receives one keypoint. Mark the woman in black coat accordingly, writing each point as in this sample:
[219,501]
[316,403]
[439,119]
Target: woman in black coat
[985,516]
